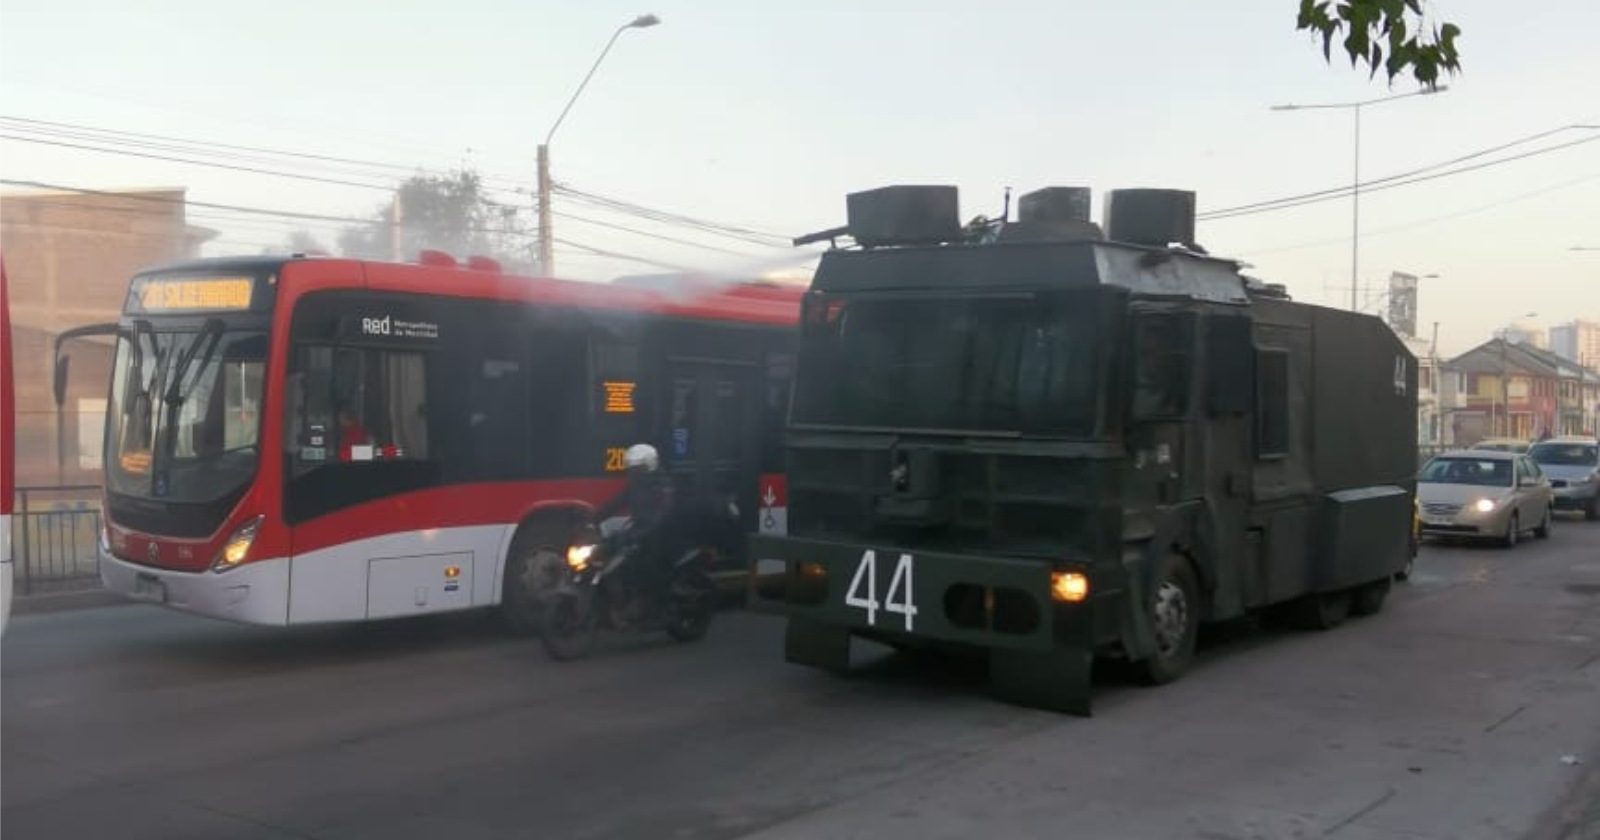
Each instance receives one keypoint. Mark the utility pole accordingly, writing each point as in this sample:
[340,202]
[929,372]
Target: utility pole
[546,251]
[1355,182]
[395,218]
[546,234]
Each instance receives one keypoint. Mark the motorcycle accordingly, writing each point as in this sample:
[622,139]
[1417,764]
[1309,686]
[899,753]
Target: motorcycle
[594,592]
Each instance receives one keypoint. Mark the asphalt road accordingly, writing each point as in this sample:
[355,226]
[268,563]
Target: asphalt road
[1446,716]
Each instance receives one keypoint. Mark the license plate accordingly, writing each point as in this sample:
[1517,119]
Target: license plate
[149,588]
[1436,520]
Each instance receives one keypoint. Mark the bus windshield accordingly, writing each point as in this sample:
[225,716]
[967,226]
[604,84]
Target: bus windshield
[1007,364]
[185,411]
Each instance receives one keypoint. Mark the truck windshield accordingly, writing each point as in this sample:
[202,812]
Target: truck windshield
[1020,363]
[185,411]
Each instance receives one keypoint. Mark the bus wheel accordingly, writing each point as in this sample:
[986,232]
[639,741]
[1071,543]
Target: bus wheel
[1174,616]
[532,567]
[1368,598]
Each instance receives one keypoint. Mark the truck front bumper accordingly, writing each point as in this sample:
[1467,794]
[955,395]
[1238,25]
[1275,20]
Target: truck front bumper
[1041,649]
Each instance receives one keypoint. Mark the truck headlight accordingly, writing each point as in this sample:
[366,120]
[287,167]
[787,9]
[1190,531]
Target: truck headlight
[1069,587]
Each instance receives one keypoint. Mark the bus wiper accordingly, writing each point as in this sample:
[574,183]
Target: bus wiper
[210,336]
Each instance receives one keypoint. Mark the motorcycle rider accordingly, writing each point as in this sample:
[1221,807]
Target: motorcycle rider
[648,499]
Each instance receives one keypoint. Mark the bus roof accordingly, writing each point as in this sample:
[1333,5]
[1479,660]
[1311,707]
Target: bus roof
[756,302]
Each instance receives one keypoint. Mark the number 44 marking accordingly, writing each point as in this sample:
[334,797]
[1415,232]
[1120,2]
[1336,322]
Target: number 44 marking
[899,586]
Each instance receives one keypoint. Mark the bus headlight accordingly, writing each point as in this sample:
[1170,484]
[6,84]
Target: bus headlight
[1069,587]
[238,546]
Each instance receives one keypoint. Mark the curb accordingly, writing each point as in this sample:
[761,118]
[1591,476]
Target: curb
[83,599]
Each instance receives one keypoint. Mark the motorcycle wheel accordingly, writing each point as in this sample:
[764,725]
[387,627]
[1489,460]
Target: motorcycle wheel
[568,623]
[693,603]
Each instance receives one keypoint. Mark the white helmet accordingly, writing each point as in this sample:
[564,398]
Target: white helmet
[641,456]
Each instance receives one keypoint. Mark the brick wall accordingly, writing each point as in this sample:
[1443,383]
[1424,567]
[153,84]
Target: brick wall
[69,257]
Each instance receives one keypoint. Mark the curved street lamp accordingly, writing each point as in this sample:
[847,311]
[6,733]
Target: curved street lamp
[1355,186]
[546,253]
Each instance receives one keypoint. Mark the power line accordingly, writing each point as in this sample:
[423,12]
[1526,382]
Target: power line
[1339,191]
[705,227]
[110,135]
[323,217]
[1378,185]
[1427,221]
[193,162]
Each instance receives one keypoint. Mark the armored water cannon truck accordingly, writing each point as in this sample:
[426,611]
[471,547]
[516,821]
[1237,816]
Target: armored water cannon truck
[1051,442]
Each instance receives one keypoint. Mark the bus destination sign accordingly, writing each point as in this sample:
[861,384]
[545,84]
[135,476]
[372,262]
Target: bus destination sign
[192,294]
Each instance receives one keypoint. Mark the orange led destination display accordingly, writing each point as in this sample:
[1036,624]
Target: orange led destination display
[195,295]
[619,397]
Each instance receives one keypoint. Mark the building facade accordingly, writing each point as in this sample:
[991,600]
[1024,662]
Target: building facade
[1577,341]
[1512,390]
[69,256]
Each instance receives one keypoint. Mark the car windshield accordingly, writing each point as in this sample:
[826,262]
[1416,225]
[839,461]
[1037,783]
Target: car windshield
[185,411]
[989,364]
[1566,454]
[1479,472]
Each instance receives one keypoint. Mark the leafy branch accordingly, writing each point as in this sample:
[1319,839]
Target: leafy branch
[1392,35]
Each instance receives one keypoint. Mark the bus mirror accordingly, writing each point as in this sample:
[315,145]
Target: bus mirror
[59,384]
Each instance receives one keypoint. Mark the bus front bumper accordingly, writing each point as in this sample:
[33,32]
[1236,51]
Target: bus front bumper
[254,593]
[1040,648]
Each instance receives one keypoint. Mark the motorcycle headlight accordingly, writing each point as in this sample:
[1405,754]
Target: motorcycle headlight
[578,557]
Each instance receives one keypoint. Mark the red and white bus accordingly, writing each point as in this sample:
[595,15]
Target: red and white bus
[8,450]
[303,440]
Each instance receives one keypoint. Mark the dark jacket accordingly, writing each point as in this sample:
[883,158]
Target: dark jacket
[646,498]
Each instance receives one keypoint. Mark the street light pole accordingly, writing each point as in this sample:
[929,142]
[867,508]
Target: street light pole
[1355,182]
[546,234]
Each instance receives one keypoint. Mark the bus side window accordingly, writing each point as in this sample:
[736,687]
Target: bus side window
[359,405]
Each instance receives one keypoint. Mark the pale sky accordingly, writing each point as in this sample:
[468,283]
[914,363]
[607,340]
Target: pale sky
[764,115]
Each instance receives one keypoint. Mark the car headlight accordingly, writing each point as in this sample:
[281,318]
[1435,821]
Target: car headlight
[1485,505]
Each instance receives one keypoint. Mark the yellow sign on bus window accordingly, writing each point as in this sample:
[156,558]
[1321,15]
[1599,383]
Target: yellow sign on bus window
[208,293]
[619,397]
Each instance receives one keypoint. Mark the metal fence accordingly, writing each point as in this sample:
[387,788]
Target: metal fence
[53,535]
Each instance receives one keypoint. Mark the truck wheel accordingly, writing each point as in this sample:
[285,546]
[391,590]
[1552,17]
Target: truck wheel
[1320,610]
[1174,615]
[1369,597]
[535,554]
[1410,566]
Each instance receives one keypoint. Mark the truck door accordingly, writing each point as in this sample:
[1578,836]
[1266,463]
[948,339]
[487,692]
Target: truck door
[713,426]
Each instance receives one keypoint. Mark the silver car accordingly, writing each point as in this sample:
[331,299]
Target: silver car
[1573,465]
[1485,494]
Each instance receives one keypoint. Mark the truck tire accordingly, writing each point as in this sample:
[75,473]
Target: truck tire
[1319,610]
[1368,598]
[1173,611]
